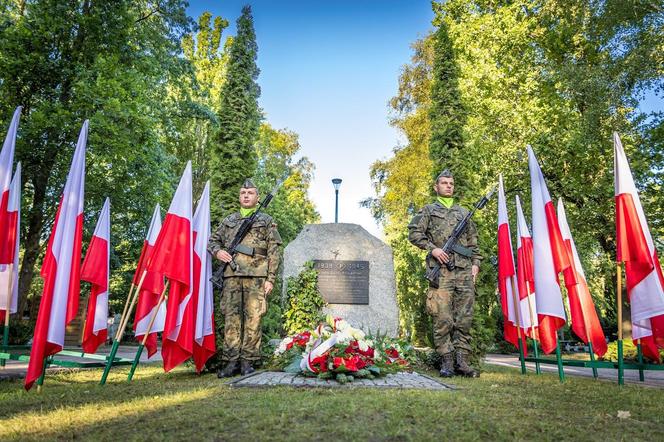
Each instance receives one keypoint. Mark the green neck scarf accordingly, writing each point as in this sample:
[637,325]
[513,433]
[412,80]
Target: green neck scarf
[245,213]
[445,201]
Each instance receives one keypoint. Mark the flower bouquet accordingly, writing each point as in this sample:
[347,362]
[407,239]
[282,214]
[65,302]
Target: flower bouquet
[336,350]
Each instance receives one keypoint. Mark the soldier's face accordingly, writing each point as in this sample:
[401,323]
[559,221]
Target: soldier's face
[248,198]
[444,186]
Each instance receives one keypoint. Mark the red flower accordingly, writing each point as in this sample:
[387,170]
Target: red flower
[351,363]
[392,353]
[289,345]
[302,339]
[319,364]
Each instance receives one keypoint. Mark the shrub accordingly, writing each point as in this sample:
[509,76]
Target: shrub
[305,303]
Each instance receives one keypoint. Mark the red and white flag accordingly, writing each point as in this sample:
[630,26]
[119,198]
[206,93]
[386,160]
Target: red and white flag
[95,270]
[549,259]
[6,167]
[172,257]
[525,277]
[635,247]
[203,302]
[9,273]
[151,288]
[506,272]
[61,268]
[585,322]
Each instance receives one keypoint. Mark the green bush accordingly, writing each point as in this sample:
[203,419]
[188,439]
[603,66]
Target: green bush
[630,352]
[305,303]
[20,331]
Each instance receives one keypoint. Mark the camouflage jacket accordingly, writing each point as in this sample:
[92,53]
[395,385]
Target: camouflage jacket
[263,238]
[434,223]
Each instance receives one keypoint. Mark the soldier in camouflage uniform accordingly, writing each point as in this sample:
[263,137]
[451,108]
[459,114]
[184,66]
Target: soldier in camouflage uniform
[244,296]
[451,304]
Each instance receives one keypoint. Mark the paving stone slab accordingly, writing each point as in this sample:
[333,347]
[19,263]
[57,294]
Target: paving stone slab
[403,380]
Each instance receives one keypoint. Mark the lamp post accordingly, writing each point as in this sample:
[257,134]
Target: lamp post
[336,182]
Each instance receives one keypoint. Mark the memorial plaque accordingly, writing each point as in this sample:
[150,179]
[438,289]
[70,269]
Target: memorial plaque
[343,282]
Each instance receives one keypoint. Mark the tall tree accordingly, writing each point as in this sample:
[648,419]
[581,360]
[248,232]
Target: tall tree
[197,96]
[66,61]
[233,156]
[446,112]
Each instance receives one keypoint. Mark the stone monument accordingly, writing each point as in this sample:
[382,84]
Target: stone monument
[355,274]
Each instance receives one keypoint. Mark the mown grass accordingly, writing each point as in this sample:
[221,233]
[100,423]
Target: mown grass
[501,405]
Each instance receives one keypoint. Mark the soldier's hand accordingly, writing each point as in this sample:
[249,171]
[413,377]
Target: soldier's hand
[268,286]
[224,256]
[475,270]
[440,255]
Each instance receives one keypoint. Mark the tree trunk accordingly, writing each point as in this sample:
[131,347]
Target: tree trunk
[35,225]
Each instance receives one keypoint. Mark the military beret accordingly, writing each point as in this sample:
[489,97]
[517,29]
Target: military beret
[445,173]
[248,184]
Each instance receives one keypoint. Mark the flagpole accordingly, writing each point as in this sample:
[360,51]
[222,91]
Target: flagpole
[518,326]
[621,367]
[5,330]
[534,331]
[125,315]
[120,332]
[590,344]
[639,350]
[139,351]
[561,371]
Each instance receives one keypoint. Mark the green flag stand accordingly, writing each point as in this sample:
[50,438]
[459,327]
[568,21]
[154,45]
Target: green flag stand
[5,329]
[139,351]
[620,365]
[518,326]
[124,320]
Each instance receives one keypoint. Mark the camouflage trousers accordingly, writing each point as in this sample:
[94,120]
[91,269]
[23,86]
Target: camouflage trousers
[243,304]
[451,307]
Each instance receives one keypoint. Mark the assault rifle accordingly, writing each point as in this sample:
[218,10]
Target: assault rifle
[452,245]
[217,278]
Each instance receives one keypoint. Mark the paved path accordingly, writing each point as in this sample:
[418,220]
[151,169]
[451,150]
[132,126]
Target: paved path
[402,380]
[653,378]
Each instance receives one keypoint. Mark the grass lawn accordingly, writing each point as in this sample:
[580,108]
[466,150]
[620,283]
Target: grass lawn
[501,405]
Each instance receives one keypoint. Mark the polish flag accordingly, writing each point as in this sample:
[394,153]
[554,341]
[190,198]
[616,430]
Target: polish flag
[6,166]
[549,259]
[95,270]
[153,285]
[635,247]
[506,272]
[525,277]
[61,268]
[172,257]
[585,323]
[204,342]
[9,275]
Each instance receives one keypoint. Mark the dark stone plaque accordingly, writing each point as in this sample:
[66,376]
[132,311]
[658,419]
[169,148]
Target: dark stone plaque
[343,282]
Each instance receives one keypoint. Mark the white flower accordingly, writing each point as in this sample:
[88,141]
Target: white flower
[363,345]
[342,324]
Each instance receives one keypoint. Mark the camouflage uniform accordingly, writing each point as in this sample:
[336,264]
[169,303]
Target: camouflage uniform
[243,300]
[450,305]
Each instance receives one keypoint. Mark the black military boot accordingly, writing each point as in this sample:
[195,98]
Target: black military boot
[246,367]
[229,370]
[463,367]
[447,366]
